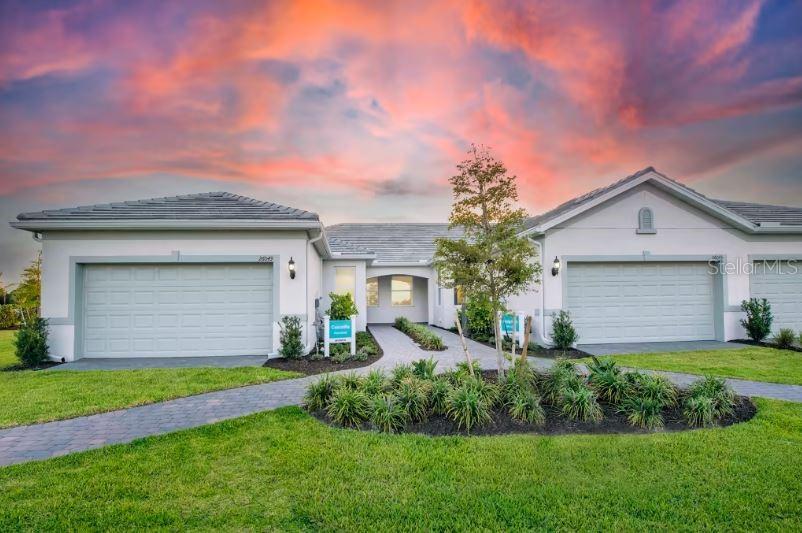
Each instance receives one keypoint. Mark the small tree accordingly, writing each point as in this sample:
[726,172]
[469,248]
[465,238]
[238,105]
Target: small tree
[758,318]
[342,306]
[28,292]
[563,333]
[292,346]
[31,342]
[491,260]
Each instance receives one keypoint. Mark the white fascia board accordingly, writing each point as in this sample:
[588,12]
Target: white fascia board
[162,224]
[423,262]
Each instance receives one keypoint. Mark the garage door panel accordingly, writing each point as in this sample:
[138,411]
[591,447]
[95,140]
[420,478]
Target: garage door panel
[177,310]
[636,302]
[780,283]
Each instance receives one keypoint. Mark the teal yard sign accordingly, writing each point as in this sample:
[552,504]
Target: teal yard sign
[339,331]
[512,325]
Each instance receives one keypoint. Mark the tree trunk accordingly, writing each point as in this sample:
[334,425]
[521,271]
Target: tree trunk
[525,348]
[499,351]
[465,347]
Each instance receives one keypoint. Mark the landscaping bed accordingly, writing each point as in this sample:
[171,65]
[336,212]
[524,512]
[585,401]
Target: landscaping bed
[425,338]
[314,363]
[750,342]
[465,401]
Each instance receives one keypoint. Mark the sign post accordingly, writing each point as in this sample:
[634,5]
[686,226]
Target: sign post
[339,331]
[512,325]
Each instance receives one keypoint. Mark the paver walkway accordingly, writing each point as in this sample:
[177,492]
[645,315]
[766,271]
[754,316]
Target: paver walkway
[51,439]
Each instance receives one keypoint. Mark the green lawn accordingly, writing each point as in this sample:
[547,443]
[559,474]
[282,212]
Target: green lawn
[28,396]
[7,357]
[283,470]
[755,363]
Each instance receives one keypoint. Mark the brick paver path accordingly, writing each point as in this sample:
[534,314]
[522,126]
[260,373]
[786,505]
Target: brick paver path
[41,441]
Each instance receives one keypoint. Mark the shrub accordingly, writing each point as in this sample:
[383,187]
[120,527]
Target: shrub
[342,306]
[292,346]
[520,379]
[350,381]
[426,338]
[479,314]
[656,388]
[375,383]
[467,407]
[9,316]
[361,355]
[561,377]
[606,379]
[699,411]
[424,368]
[348,407]
[721,395]
[525,407]
[401,372]
[413,395]
[387,414]
[438,396]
[644,412]
[319,393]
[758,318]
[340,353]
[784,338]
[580,404]
[462,370]
[563,333]
[31,342]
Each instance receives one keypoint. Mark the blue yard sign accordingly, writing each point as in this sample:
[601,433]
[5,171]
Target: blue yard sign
[509,324]
[340,330]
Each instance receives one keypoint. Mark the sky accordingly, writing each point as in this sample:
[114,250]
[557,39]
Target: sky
[360,111]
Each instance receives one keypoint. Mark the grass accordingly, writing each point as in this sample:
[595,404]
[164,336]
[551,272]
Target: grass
[7,357]
[28,396]
[283,470]
[753,363]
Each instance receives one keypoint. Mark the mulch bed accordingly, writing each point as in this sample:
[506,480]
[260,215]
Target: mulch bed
[555,424]
[767,345]
[549,353]
[444,348]
[312,367]
[43,366]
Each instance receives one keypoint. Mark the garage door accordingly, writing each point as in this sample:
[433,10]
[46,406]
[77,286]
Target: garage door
[177,310]
[780,282]
[641,302]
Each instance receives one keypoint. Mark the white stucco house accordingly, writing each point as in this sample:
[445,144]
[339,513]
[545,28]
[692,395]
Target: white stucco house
[644,259]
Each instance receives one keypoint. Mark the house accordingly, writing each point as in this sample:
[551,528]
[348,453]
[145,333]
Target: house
[644,259]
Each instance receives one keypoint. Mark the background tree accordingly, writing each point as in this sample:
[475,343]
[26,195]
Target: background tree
[490,260]
[28,293]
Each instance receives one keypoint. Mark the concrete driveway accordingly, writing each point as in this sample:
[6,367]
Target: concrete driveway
[657,347]
[135,363]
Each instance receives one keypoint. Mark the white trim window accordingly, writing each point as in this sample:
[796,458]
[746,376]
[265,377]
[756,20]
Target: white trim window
[646,221]
[372,291]
[401,291]
[345,280]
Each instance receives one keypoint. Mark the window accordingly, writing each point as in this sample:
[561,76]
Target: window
[439,296]
[401,290]
[646,221]
[372,290]
[345,280]
[459,295]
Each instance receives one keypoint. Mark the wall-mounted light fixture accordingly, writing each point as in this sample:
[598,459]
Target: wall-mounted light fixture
[291,268]
[555,266]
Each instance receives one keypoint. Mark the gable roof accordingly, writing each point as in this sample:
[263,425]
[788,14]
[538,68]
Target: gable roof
[210,209]
[392,243]
[751,218]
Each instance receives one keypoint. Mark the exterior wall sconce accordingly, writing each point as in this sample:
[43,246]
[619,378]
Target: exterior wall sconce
[555,267]
[291,268]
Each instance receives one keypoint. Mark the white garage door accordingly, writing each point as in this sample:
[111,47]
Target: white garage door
[780,283]
[177,310]
[641,302]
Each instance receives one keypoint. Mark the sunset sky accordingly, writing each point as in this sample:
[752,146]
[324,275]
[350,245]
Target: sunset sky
[360,112]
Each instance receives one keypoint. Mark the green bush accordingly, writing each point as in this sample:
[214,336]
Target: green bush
[340,353]
[784,338]
[479,315]
[722,396]
[413,395]
[292,345]
[424,368]
[563,333]
[489,392]
[562,376]
[607,380]
[644,412]
[9,316]
[426,338]
[580,404]
[699,411]
[388,414]
[31,342]
[319,393]
[350,381]
[375,383]
[758,318]
[525,407]
[400,372]
[438,396]
[467,407]
[365,340]
[462,370]
[656,388]
[348,407]
[342,306]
